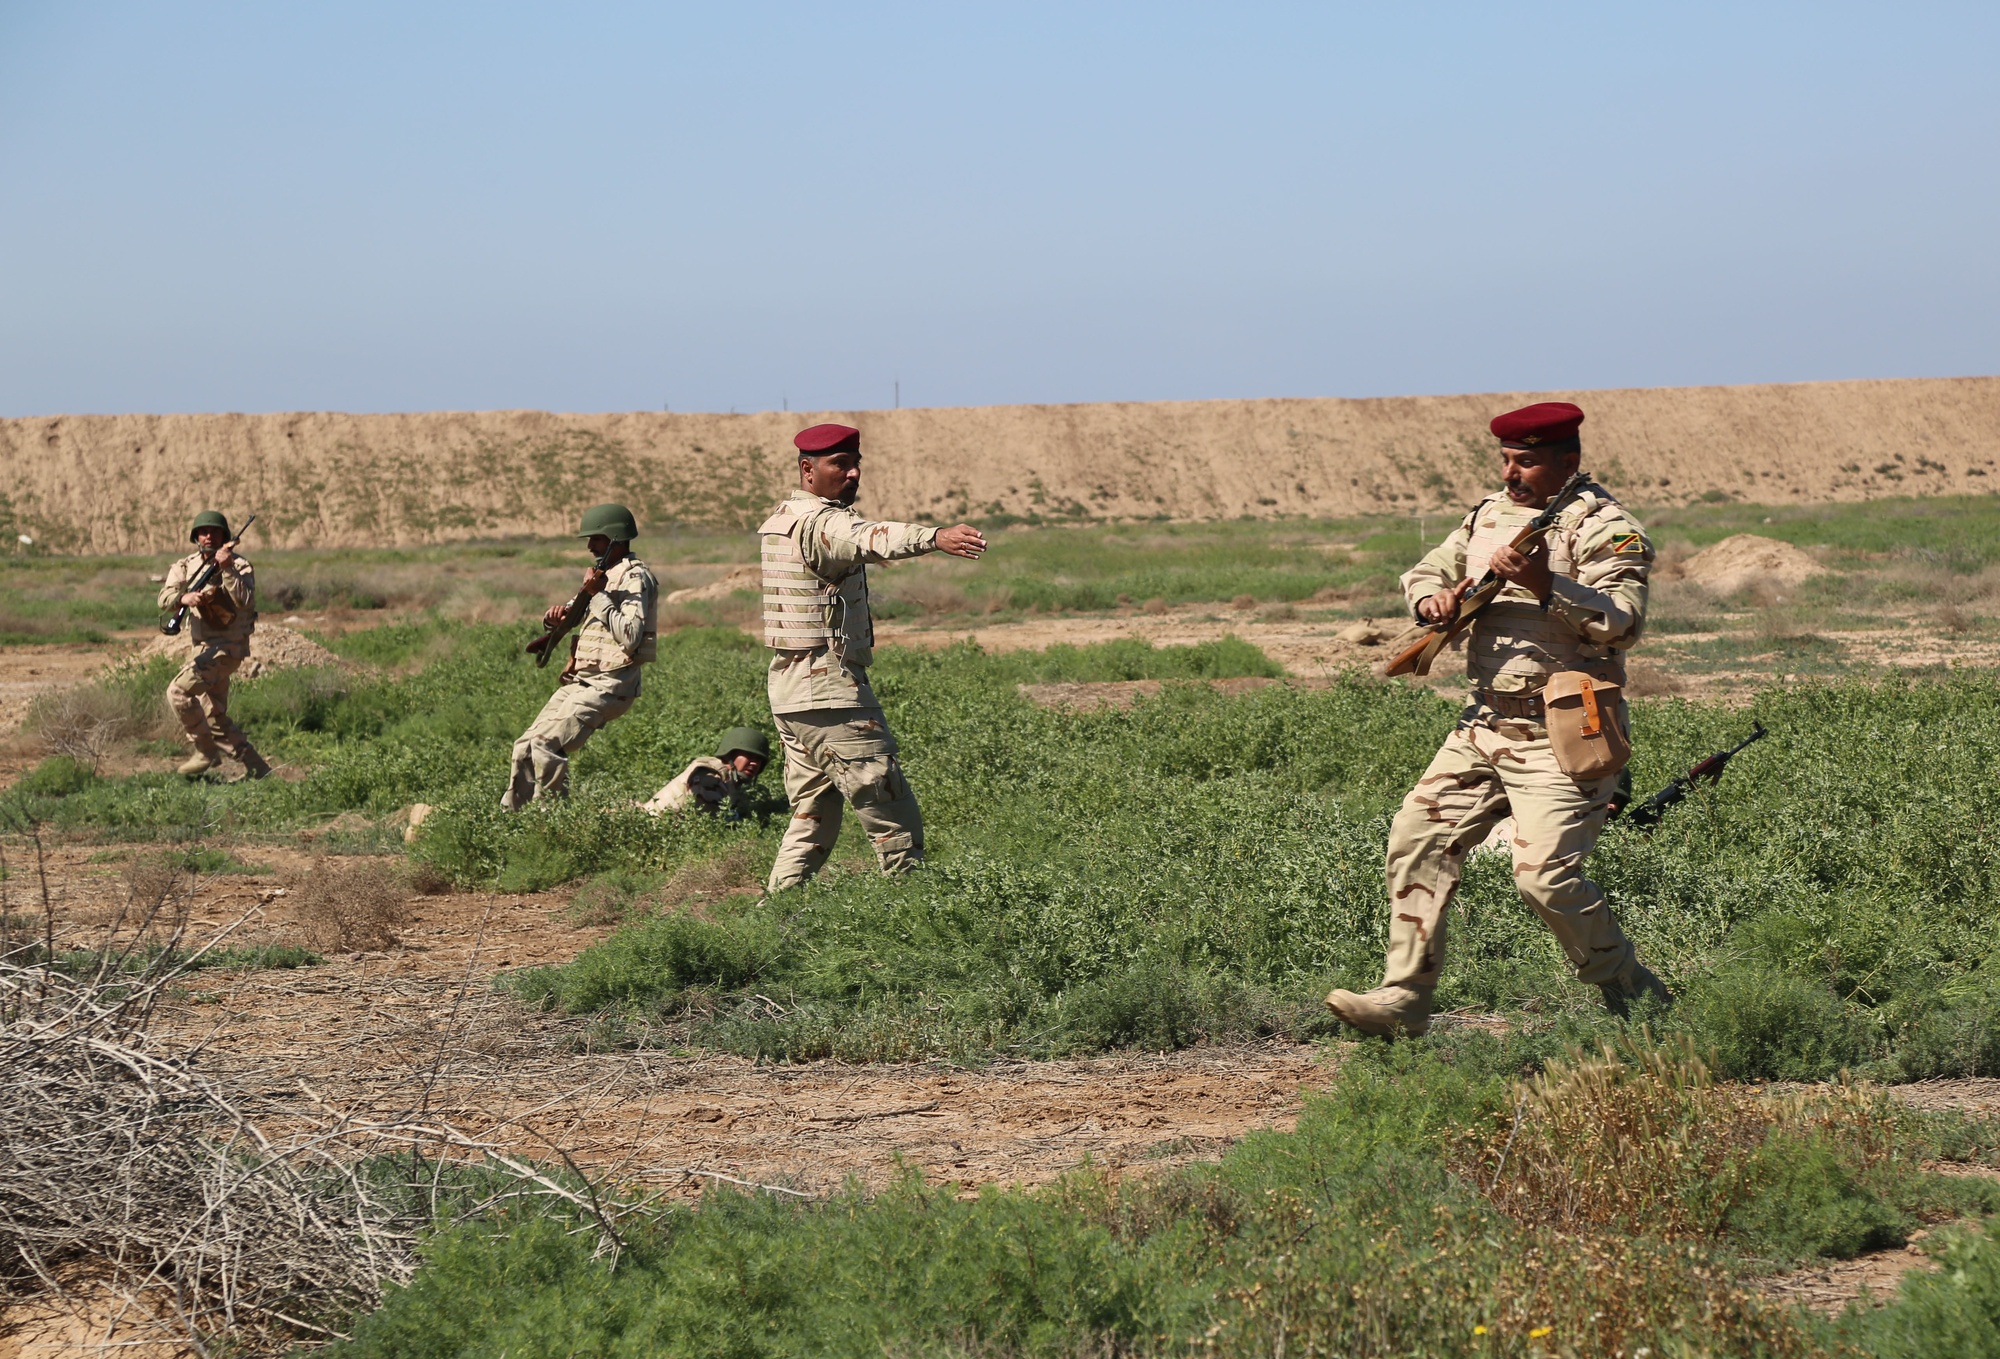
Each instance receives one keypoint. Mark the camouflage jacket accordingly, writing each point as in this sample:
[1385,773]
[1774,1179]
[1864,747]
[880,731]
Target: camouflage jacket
[621,624]
[816,556]
[1596,610]
[233,592]
[707,785]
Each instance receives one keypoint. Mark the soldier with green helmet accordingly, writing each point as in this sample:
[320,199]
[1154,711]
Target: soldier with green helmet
[718,784]
[221,617]
[618,635]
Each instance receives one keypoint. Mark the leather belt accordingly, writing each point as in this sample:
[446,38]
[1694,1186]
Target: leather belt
[1511,705]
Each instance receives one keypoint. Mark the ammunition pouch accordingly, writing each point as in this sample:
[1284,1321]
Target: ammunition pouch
[1585,720]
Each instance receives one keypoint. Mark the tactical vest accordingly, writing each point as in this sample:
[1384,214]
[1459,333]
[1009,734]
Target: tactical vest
[224,623]
[803,612]
[597,651]
[1516,644]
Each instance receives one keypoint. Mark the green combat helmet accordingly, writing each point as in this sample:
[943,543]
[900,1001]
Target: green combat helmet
[214,519]
[746,741]
[613,521]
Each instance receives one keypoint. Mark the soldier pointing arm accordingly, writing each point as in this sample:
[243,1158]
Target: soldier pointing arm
[1550,646]
[838,747]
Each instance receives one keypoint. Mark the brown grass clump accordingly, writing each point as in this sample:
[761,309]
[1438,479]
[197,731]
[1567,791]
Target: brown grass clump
[933,597]
[1155,605]
[1643,679]
[1243,602]
[1954,619]
[86,721]
[1644,1141]
[732,871]
[353,907]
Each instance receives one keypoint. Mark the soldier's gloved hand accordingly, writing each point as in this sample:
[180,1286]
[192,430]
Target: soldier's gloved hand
[593,581]
[1529,570]
[552,616]
[962,540]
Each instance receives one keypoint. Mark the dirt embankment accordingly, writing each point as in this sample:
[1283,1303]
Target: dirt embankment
[128,483]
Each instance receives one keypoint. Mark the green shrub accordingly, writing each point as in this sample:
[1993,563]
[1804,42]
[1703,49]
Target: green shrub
[57,776]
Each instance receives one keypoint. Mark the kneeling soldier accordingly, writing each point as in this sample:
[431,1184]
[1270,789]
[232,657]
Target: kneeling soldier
[618,635]
[1576,605]
[718,784]
[221,617]
[837,742]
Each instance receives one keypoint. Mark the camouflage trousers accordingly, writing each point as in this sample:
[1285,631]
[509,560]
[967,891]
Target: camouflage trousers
[199,696]
[1489,767]
[836,755]
[573,714]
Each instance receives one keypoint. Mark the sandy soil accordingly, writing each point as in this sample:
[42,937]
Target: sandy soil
[106,484]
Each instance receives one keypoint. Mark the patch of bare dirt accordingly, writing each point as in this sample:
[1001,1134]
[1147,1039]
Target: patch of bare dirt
[1746,560]
[1830,1287]
[418,1025]
[728,583]
[272,647]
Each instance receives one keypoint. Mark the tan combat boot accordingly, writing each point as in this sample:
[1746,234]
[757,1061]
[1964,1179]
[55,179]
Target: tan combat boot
[1638,983]
[1386,1012]
[199,763]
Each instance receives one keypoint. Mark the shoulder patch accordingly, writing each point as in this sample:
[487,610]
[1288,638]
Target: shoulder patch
[1628,544]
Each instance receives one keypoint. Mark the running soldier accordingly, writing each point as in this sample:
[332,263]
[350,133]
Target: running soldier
[837,742]
[718,784]
[1574,603]
[221,617]
[618,635]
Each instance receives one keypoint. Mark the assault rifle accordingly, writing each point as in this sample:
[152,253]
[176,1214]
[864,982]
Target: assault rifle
[171,624]
[1648,813]
[1416,657]
[544,646]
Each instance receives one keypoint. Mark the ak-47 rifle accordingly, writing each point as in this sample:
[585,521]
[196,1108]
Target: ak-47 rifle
[1416,657]
[544,646]
[1648,813]
[172,623]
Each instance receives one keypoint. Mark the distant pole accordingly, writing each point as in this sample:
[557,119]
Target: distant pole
[899,394]
[788,403]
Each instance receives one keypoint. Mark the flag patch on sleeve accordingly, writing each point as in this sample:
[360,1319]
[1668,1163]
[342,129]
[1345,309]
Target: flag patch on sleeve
[1628,544]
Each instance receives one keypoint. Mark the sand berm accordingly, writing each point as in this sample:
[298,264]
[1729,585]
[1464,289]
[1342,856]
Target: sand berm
[128,483]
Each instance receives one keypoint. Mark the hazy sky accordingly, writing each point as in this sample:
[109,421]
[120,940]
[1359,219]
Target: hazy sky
[372,206]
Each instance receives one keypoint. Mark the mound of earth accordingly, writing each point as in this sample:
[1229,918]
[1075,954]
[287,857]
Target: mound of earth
[1746,560]
[734,579]
[271,648]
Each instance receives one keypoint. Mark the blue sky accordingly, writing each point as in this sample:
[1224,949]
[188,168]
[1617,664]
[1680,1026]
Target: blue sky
[412,206]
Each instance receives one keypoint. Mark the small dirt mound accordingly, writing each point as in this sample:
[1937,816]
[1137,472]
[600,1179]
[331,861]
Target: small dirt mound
[1746,560]
[271,648]
[732,580]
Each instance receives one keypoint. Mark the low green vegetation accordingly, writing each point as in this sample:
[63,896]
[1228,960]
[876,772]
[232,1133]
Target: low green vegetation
[1428,1204]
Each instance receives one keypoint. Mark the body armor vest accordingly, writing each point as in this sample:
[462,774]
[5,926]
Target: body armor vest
[803,612]
[597,651]
[1516,644]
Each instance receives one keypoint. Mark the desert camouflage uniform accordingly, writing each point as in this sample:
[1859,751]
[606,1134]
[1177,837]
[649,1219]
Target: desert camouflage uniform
[708,785]
[618,635]
[1498,760]
[199,694]
[836,740]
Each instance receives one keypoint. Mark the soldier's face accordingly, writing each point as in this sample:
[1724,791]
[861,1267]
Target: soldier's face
[208,539]
[836,476]
[1534,475]
[749,766]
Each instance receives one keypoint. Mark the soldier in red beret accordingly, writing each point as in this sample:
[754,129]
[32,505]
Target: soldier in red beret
[1546,662]
[838,746]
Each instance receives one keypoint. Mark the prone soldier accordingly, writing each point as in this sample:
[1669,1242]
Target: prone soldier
[718,784]
[222,615]
[1570,608]
[838,746]
[617,636]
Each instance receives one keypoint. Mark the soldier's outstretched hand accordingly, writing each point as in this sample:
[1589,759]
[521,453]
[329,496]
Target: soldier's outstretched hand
[962,540]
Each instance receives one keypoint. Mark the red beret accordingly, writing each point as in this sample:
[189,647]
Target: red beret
[828,439]
[1545,422]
